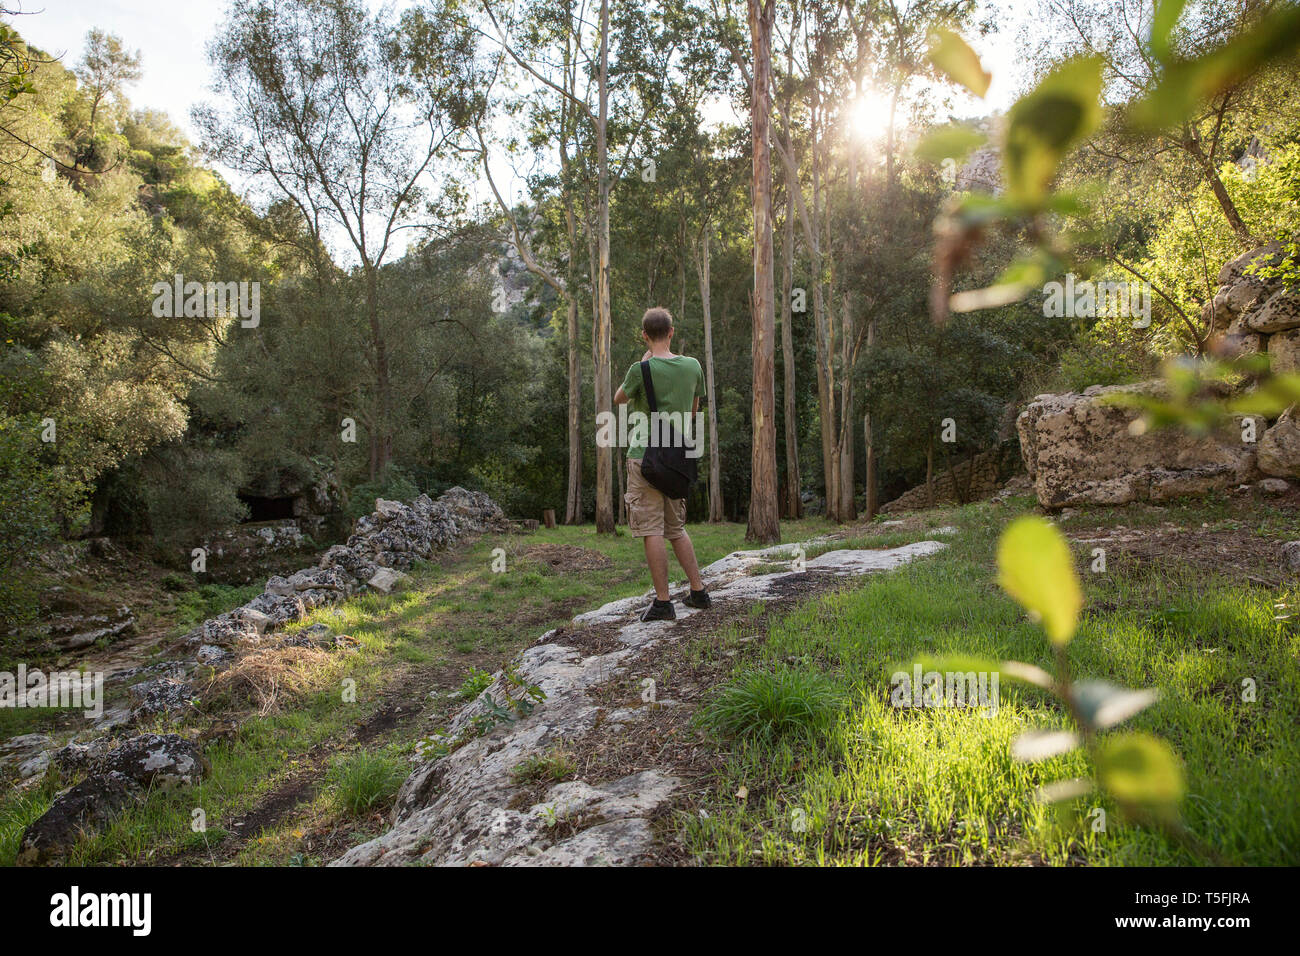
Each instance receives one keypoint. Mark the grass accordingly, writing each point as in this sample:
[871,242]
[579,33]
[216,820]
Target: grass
[552,766]
[887,785]
[819,768]
[455,623]
[765,705]
[362,781]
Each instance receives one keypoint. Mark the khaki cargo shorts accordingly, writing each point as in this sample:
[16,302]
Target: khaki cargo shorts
[648,511]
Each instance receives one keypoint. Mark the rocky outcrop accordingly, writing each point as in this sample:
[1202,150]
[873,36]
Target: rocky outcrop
[1079,449]
[392,538]
[464,805]
[395,536]
[1250,313]
[118,777]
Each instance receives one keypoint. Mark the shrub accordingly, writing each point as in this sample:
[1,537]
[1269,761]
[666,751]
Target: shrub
[208,600]
[764,705]
[474,684]
[366,780]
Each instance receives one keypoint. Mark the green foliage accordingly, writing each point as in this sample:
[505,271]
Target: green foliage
[1095,361]
[954,56]
[209,600]
[475,683]
[765,705]
[551,767]
[1140,772]
[1035,567]
[394,485]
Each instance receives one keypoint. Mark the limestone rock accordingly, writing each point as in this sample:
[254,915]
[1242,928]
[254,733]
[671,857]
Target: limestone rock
[74,631]
[160,761]
[1284,351]
[1279,448]
[162,696]
[21,750]
[1078,449]
[77,758]
[1291,554]
[386,580]
[231,630]
[1268,254]
[83,808]
[1280,312]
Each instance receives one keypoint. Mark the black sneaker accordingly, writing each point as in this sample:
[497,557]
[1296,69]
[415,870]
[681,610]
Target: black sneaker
[699,600]
[659,611]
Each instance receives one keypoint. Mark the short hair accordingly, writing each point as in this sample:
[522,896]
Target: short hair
[657,323]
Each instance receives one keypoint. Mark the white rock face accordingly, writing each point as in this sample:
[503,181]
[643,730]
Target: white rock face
[463,808]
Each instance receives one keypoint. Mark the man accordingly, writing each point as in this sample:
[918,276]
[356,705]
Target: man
[678,385]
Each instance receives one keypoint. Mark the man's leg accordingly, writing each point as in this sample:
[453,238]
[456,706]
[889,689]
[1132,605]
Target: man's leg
[685,552]
[657,557]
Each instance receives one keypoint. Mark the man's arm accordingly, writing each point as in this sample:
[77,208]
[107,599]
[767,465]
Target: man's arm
[620,397]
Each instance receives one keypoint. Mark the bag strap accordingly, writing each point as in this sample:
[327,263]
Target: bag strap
[649,381]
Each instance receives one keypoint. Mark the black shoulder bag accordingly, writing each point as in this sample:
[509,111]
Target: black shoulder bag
[665,464]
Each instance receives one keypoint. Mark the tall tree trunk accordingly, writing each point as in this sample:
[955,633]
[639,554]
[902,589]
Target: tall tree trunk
[848,507]
[715,461]
[825,373]
[601,333]
[573,495]
[573,491]
[381,436]
[764,521]
[872,502]
[794,502]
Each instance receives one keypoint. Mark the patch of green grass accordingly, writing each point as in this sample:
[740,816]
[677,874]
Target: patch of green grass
[893,785]
[16,815]
[765,704]
[363,781]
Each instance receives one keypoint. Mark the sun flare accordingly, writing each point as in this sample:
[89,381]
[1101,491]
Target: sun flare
[870,116]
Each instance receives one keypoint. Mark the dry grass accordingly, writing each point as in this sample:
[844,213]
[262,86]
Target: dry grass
[269,678]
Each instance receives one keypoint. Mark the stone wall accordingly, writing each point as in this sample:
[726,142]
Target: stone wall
[973,479]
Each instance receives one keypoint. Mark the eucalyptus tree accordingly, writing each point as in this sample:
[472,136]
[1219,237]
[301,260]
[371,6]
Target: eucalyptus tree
[346,114]
[1135,46]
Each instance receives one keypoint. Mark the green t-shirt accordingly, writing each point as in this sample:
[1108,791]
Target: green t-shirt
[678,382]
